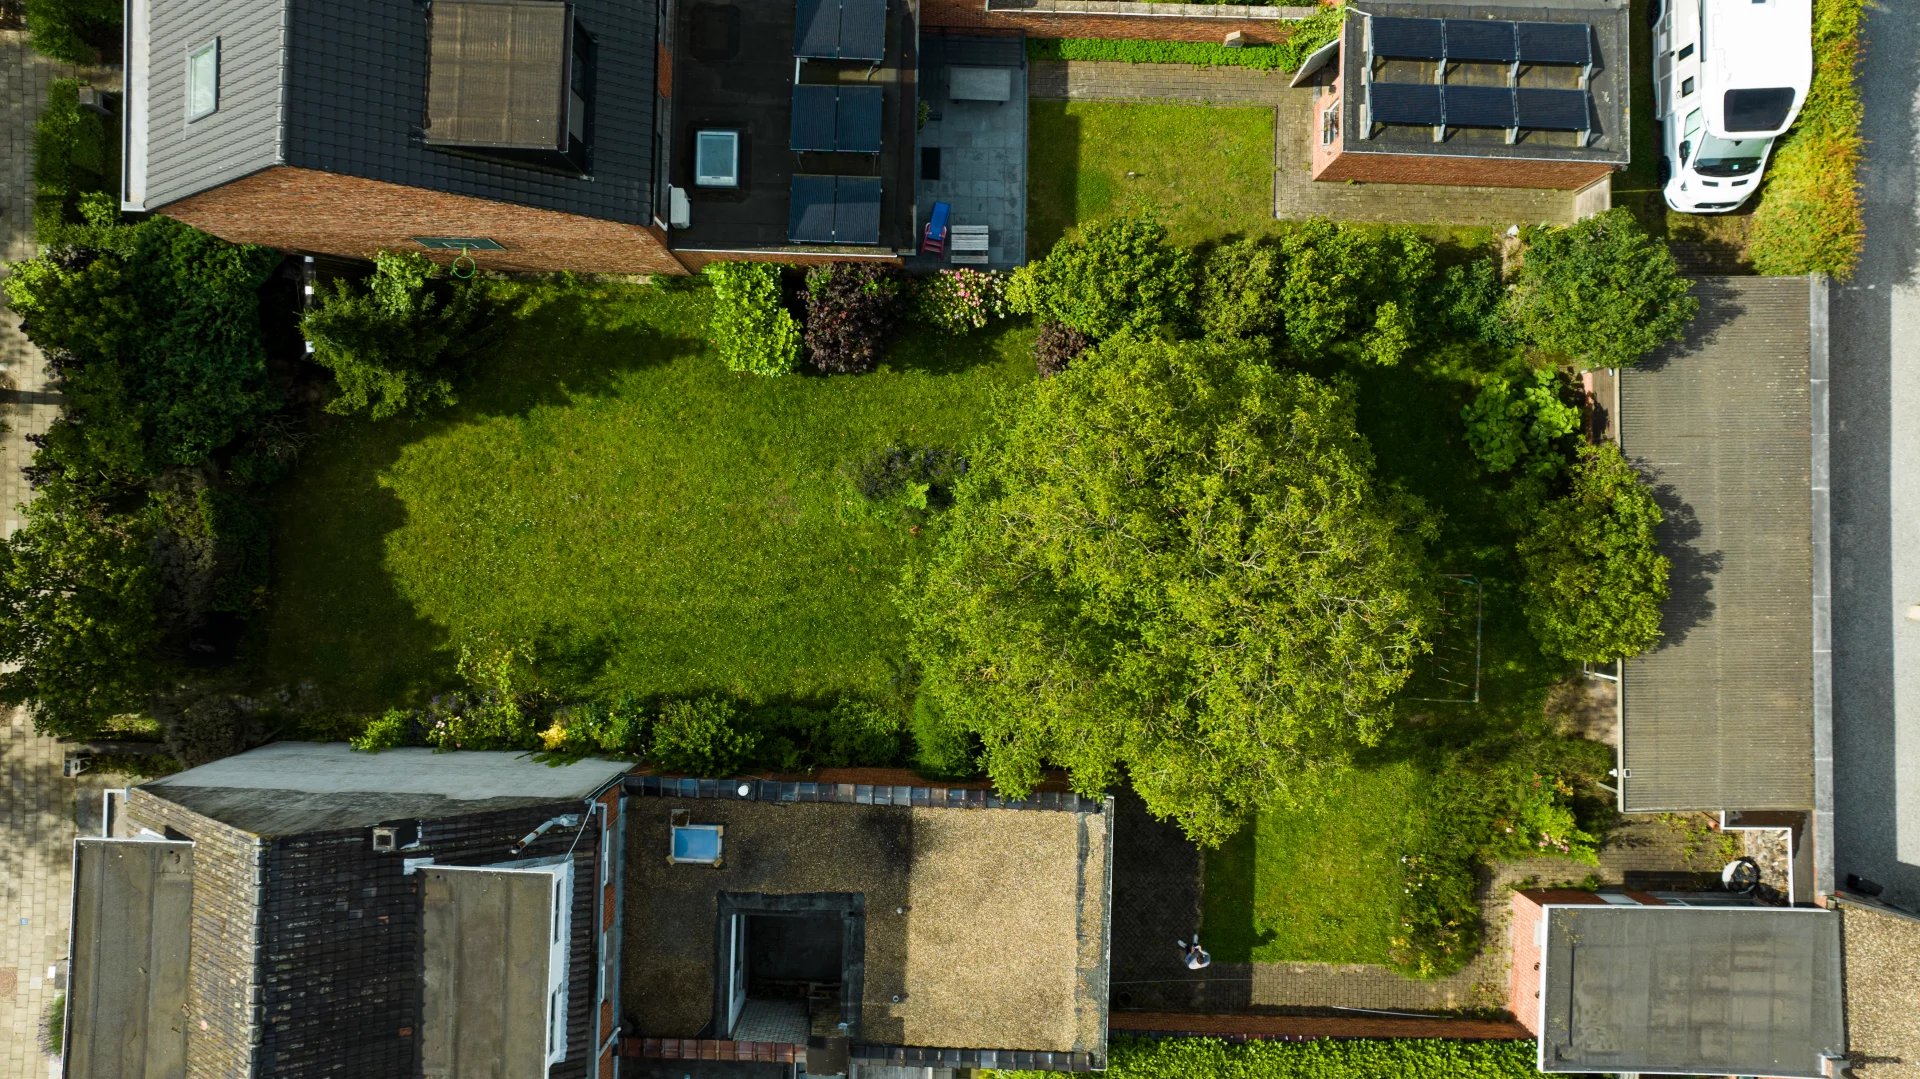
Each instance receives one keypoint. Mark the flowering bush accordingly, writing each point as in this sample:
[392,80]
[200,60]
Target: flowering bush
[1541,821]
[495,713]
[963,300]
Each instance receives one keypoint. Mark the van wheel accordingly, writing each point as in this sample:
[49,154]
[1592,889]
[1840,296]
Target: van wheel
[1663,171]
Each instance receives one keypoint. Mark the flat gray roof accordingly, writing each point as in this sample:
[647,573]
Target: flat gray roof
[1690,990]
[484,952]
[132,914]
[1720,715]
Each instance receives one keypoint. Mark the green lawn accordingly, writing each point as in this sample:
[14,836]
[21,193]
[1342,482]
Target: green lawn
[1207,171]
[1326,883]
[609,493]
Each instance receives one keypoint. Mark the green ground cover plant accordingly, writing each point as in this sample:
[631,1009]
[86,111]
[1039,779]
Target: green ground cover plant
[1303,37]
[1206,172]
[609,492]
[1343,1058]
[1808,219]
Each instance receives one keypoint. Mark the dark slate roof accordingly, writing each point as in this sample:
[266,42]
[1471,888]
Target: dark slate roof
[348,94]
[131,921]
[1691,990]
[1720,714]
[497,73]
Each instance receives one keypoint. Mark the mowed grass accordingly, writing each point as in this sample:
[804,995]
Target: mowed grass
[1206,171]
[607,493]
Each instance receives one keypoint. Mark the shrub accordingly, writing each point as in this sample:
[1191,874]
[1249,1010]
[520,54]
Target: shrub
[75,31]
[1519,425]
[961,300]
[1239,293]
[1808,219]
[617,727]
[1594,575]
[1353,292]
[392,345]
[911,481]
[704,736]
[1331,1058]
[1600,292]
[1391,337]
[942,749]
[751,327]
[1469,304]
[853,309]
[1055,346]
[1119,274]
[1310,33]
[1439,929]
[211,548]
[394,727]
[75,155]
[495,711]
[859,733]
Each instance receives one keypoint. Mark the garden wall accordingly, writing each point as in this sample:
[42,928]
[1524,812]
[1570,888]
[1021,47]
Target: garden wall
[1099,18]
[324,212]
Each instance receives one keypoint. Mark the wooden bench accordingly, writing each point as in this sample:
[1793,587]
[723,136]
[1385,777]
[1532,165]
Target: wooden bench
[969,244]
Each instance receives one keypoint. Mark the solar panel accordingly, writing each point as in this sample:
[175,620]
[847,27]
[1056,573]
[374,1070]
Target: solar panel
[813,126]
[1408,39]
[1405,103]
[1552,110]
[1555,43]
[1483,40]
[833,210]
[816,28]
[810,210]
[858,119]
[863,29]
[1479,106]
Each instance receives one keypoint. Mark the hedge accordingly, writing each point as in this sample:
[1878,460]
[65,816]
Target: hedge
[1410,1058]
[1808,219]
[76,151]
[1306,35]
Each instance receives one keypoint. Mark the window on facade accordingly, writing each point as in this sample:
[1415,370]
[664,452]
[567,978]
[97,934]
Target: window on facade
[1686,87]
[716,159]
[458,243]
[556,910]
[1330,124]
[203,80]
[1686,52]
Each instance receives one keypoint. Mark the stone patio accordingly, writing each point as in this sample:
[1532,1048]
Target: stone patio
[981,148]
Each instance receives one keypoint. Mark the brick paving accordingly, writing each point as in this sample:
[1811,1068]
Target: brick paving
[1089,80]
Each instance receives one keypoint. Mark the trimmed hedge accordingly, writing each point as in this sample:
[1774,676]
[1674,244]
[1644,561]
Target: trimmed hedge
[76,151]
[1808,219]
[1307,35]
[1409,1058]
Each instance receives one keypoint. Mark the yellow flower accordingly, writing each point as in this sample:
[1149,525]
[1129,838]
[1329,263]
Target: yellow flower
[554,737]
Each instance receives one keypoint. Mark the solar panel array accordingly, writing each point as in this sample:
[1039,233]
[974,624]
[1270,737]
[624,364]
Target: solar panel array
[1427,105]
[840,30]
[833,210]
[1442,104]
[828,119]
[1493,41]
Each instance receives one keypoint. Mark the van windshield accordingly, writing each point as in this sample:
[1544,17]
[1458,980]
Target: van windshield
[1730,157]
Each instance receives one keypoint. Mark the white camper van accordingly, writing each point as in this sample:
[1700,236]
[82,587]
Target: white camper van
[1729,76]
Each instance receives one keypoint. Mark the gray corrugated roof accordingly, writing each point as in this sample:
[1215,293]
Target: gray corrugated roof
[354,87]
[242,135]
[132,912]
[484,946]
[1692,990]
[1720,714]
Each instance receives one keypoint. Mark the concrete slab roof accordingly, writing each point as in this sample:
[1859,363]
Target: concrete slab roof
[485,971]
[132,916]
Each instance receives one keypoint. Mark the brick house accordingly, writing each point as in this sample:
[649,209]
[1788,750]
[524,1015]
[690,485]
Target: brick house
[1498,96]
[304,910]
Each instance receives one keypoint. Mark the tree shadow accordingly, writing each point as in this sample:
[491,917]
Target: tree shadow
[1719,307]
[1690,581]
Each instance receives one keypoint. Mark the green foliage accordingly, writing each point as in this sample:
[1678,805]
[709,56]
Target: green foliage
[1353,292]
[910,482]
[1469,304]
[394,727]
[855,732]
[751,327]
[1332,1058]
[1310,33]
[941,748]
[1117,275]
[1175,561]
[1600,292]
[1127,51]
[155,342]
[1520,424]
[705,736]
[53,1026]
[75,31]
[1239,293]
[211,549]
[1595,577]
[75,157]
[961,300]
[1808,219]
[496,710]
[393,346]
[78,634]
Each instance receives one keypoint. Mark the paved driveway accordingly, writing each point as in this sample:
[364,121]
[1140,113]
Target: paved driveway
[1876,491]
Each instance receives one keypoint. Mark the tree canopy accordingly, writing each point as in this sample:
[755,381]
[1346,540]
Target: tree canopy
[1175,561]
[1117,274]
[1601,292]
[1595,577]
[393,345]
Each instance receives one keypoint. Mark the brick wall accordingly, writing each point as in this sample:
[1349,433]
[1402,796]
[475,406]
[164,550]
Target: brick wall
[973,15]
[1463,171]
[327,213]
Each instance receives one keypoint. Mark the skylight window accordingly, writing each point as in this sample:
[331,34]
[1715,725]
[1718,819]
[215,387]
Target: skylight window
[203,80]
[716,159]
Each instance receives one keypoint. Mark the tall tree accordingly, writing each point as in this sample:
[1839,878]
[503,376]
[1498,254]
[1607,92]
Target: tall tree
[1595,577]
[1601,292]
[1174,561]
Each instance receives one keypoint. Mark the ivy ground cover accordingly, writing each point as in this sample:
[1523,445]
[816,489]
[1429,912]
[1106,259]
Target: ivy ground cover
[607,492]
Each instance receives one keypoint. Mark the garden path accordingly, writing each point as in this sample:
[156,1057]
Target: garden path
[1157,885]
[1098,80]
